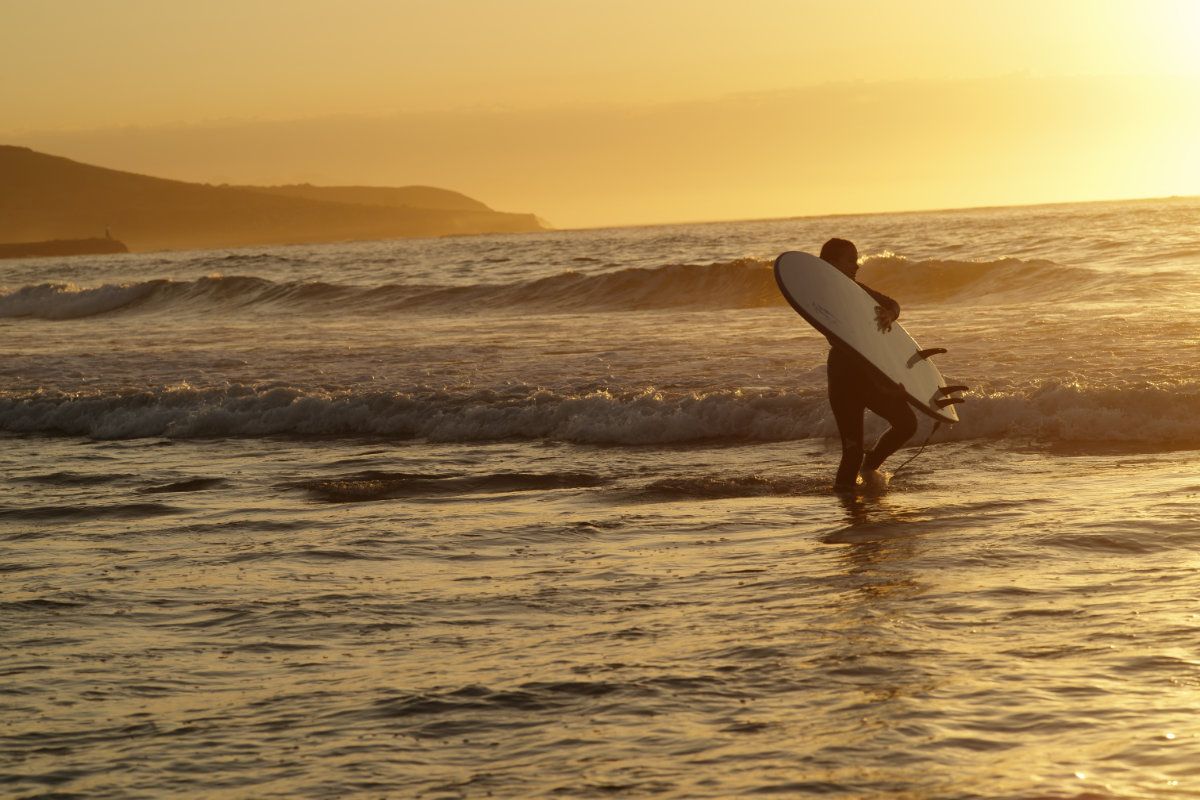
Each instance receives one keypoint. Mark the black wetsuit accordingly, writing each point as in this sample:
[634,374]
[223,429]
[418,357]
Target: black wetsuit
[855,386]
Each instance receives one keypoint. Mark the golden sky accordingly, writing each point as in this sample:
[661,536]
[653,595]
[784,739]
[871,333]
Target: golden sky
[614,112]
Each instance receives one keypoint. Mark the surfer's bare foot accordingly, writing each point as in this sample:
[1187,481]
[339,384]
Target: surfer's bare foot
[875,480]
[844,488]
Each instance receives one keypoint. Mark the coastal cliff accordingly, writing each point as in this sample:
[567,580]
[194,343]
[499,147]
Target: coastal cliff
[62,247]
[44,197]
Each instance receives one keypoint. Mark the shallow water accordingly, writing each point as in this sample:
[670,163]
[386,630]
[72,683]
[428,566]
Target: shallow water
[298,534]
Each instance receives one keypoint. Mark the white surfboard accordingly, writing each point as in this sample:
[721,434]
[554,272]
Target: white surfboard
[842,310]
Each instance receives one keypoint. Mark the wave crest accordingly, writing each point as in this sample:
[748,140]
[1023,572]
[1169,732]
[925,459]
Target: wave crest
[739,284]
[1009,279]
[744,283]
[637,416]
[1055,413]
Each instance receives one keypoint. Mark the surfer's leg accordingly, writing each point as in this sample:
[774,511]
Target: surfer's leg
[896,410]
[848,409]
[852,458]
[852,454]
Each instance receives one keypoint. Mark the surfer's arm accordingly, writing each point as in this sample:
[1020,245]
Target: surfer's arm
[888,310]
[885,301]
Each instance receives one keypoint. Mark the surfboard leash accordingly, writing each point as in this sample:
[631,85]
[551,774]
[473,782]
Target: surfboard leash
[936,425]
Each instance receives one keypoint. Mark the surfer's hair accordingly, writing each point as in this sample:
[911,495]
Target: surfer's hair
[837,249]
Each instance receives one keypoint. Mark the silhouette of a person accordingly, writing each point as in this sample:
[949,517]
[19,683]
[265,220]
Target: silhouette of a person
[855,386]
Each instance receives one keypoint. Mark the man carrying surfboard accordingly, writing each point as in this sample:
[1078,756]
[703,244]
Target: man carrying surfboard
[854,387]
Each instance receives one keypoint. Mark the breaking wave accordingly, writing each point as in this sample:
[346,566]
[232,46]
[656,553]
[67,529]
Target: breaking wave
[1054,413]
[745,283]
[1010,279]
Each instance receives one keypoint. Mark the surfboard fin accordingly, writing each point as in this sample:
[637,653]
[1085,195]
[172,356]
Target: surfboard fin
[949,401]
[922,355]
[945,390]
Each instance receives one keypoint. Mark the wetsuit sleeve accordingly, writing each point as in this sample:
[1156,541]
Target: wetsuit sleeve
[883,299]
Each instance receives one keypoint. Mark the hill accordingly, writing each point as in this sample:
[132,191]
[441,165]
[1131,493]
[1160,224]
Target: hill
[398,197]
[62,247]
[46,197]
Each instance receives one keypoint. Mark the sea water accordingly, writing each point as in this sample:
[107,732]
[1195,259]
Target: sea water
[551,515]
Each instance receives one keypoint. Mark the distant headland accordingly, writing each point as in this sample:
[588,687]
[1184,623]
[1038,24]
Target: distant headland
[50,201]
[62,247]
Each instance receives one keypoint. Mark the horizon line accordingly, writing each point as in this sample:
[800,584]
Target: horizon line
[835,214]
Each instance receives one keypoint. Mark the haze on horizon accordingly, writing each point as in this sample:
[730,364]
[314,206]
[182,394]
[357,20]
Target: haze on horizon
[622,112]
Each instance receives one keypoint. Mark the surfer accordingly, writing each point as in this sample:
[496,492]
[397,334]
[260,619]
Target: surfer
[854,387]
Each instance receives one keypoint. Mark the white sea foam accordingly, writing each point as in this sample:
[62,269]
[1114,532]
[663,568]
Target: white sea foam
[1052,413]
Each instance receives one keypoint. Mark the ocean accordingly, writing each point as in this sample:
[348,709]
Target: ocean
[550,515]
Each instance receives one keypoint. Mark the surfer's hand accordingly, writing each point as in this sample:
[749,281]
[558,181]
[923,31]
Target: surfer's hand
[884,317]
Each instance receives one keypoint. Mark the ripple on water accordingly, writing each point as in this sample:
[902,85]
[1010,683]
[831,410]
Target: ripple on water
[66,478]
[87,512]
[189,485]
[376,485]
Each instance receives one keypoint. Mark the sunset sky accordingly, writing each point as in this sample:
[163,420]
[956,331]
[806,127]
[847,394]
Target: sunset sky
[624,112]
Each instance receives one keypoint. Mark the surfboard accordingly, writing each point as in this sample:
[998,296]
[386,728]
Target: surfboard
[842,310]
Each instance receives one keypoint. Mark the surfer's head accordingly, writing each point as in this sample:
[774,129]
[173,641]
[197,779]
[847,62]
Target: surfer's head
[842,254]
